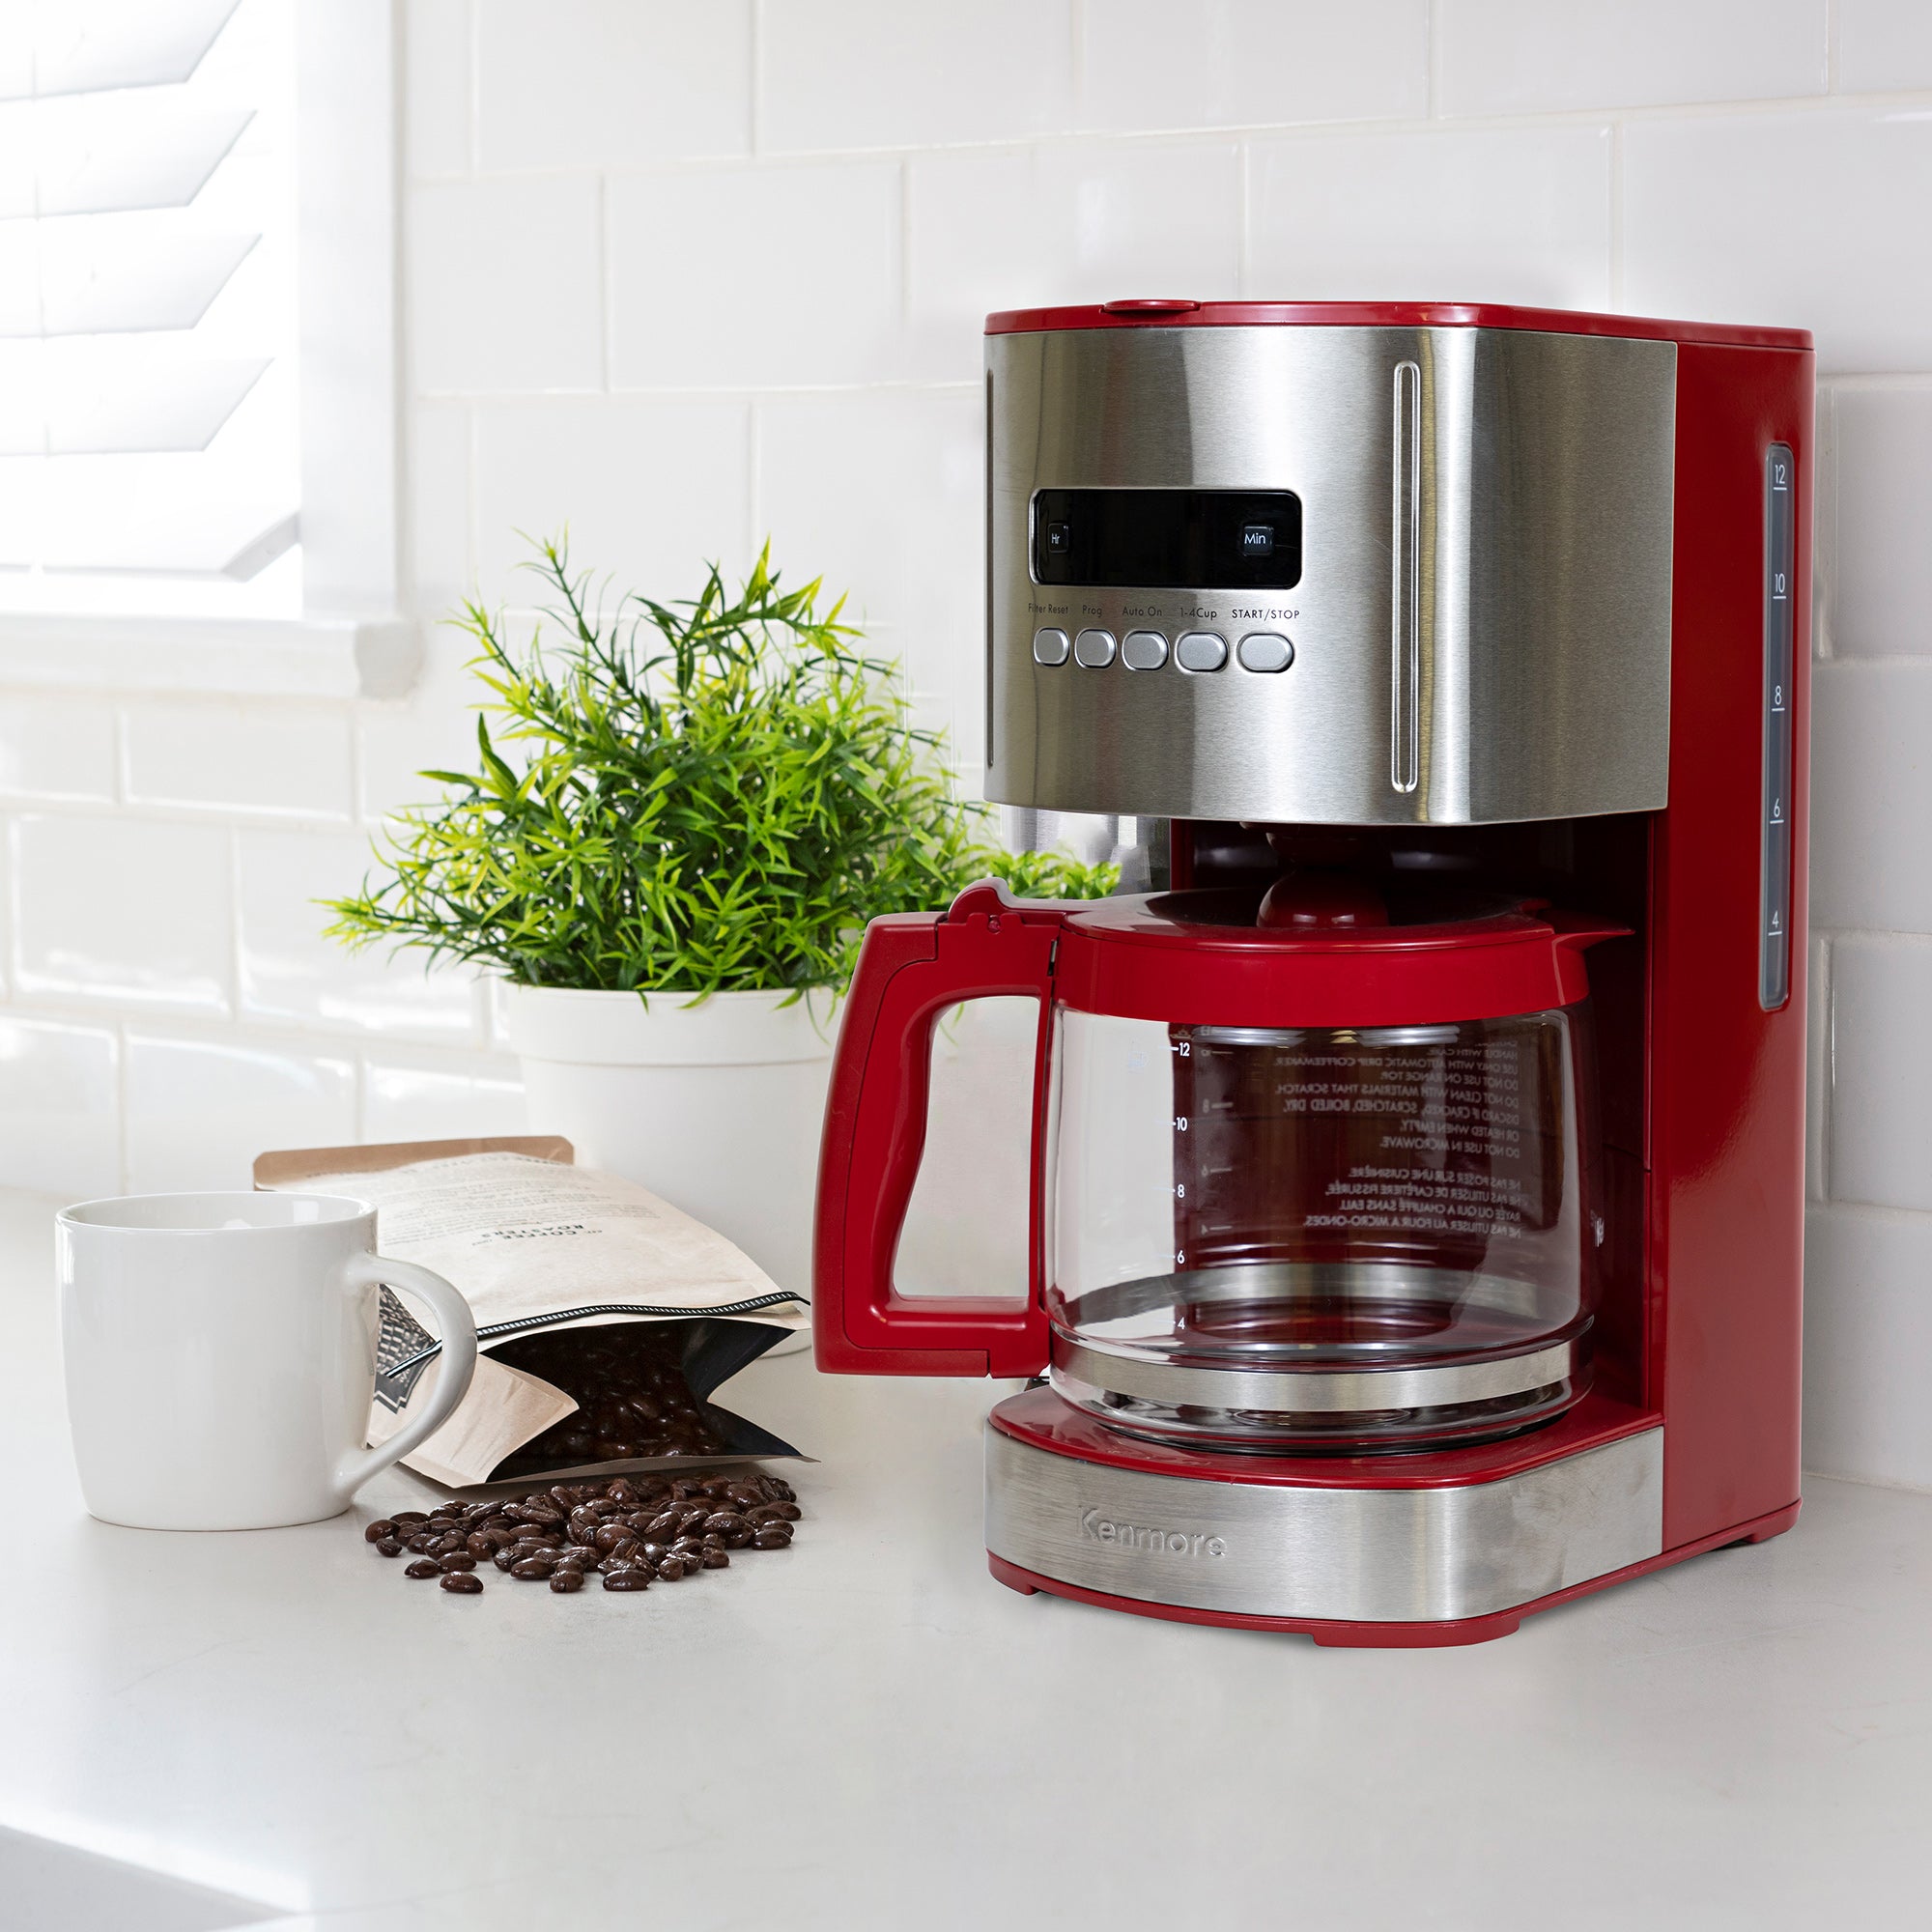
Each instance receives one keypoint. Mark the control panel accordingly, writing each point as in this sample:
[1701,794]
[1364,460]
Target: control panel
[1780,494]
[1199,652]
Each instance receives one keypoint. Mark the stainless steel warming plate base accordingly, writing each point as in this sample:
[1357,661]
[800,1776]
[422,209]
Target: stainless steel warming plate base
[1449,1561]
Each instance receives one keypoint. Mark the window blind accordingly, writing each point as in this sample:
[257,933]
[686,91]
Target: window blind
[147,407]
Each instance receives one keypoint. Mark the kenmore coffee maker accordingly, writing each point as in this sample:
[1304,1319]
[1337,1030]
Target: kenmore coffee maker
[1417,1176]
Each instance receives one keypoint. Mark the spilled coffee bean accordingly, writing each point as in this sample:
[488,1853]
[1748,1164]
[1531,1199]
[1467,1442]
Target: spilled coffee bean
[635,1530]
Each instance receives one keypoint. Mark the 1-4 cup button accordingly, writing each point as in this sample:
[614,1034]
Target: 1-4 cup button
[1200,650]
[1266,650]
[1050,646]
[1095,649]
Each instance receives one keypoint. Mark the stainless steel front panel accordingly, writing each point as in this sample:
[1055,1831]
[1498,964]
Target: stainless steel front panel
[1482,629]
[1347,1555]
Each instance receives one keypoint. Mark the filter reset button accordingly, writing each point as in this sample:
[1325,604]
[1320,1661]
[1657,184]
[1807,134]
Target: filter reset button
[1266,650]
[1051,646]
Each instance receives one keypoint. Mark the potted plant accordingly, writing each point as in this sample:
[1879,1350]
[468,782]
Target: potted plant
[672,841]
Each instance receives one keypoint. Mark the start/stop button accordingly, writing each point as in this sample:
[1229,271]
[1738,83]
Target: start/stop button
[1266,650]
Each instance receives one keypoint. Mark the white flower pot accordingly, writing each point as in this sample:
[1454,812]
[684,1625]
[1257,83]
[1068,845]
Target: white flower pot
[716,1107]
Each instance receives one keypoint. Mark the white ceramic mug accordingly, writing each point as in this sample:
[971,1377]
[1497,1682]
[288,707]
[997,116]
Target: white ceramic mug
[220,1355]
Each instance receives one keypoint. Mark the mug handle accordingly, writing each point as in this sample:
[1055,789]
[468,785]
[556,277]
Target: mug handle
[452,1382]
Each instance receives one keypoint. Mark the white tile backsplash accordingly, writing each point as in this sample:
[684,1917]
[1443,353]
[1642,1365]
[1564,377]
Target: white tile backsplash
[1867,1338]
[1881,528]
[417,1097]
[754,277]
[290,974]
[878,74]
[1466,214]
[433,729]
[506,278]
[284,759]
[442,560]
[610,83]
[1799,220]
[59,1107]
[882,495]
[1884,46]
[200,1110]
[1530,57]
[1153,64]
[1881,1070]
[647,488]
[437,37]
[1871,795]
[123,912]
[1065,224]
[802,210]
[56,748]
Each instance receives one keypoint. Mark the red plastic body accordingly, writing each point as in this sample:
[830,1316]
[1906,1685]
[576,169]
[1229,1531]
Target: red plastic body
[1159,312]
[1708,1320]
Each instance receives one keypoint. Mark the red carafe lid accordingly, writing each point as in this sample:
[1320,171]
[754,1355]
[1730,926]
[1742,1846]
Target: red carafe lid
[1315,949]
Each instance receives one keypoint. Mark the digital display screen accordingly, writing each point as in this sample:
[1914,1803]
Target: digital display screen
[1168,539]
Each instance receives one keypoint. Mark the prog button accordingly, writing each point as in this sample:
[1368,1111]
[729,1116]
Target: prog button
[1200,650]
[1050,647]
[1266,650]
[1093,650]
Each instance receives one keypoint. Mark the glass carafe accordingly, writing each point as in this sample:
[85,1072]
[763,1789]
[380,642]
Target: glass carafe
[1312,1170]
[1351,1236]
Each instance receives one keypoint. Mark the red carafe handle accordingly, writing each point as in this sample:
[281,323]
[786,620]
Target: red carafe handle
[913,967]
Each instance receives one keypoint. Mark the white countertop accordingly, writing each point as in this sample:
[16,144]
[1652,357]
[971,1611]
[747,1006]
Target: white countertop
[865,1730]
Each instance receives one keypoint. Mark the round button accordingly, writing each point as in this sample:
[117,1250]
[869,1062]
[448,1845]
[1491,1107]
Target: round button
[1200,650]
[1266,650]
[1144,650]
[1093,648]
[1050,646]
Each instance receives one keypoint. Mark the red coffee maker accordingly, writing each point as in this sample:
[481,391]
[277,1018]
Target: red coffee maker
[1418,1175]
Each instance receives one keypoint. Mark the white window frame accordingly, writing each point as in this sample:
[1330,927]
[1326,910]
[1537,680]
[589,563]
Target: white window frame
[351,640]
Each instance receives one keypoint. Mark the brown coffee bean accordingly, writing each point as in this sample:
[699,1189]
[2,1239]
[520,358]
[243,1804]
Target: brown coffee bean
[725,1522]
[531,1570]
[744,1494]
[671,1568]
[714,1559]
[409,1519]
[567,1581]
[609,1535]
[623,1492]
[773,1513]
[463,1584]
[420,1541]
[382,1527]
[389,1545]
[423,1567]
[479,1545]
[627,1579]
[455,1560]
[775,1536]
[445,1546]
[505,1559]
